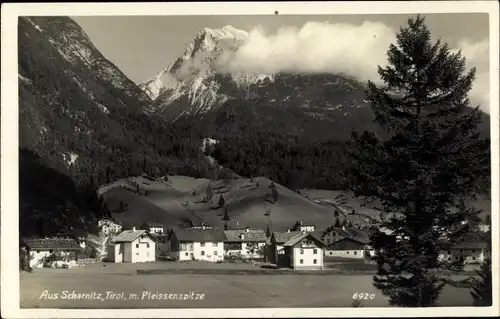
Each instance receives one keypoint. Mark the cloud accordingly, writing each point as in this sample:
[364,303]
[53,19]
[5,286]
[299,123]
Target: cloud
[328,47]
[477,55]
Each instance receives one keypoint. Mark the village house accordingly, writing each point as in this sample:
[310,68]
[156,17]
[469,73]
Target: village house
[200,243]
[302,251]
[345,242]
[473,249]
[154,228]
[109,227]
[132,246]
[347,248]
[71,233]
[300,226]
[247,243]
[40,250]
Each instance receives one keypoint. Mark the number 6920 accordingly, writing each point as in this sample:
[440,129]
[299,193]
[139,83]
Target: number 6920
[363,296]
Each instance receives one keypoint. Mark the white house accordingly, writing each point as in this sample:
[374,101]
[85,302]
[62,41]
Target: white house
[197,244]
[304,251]
[39,249]
[247,243]
[109,227]
[132,246]
[154,228]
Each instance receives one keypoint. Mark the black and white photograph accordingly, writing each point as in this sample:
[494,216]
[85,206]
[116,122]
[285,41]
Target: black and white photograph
[250,159]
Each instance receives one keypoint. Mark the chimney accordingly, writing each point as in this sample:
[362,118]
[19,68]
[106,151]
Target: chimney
[288,230]
[133,228]
[242,236]
[343,227]
[203,226]
[247,230]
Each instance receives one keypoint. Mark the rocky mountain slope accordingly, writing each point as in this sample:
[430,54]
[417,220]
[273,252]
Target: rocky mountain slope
[80,116]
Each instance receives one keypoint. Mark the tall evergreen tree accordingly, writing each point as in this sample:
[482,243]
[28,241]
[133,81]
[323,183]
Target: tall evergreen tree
[425,168]
[337,222]
[482,291]
[226,218]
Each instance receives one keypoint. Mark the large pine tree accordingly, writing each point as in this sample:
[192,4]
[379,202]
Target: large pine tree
[425,168]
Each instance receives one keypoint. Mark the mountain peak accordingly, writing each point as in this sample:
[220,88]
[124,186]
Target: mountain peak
[226,32]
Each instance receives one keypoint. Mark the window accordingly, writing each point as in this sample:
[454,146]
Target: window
[215,252]
[202,253]
[137,254]
[355,253]
[347,252]
[136,245]
[215,244]
[301,251]
[37,251]
[202,244]
[461,250]
[147,245]
[473,250]
[331,253]
[449,252]
[302,261]
[449,258]
[315,251]
[473,258]
[186,254]
[315,261]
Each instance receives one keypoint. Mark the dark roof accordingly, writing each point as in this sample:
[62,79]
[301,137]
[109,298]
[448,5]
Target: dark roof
[51,243]
[469,245]
[199,234]
[251,235]
[346,243]
[297,238]
[283,237]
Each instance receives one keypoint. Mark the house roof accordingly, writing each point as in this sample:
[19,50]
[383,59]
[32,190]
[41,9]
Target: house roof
[128,236]
[297,238]
[251,235]
[283,237]
[471,245]
[346,243]
[51,243]
[199,234]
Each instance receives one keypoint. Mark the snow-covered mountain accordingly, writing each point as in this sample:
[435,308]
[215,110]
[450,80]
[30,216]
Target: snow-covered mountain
[197,76]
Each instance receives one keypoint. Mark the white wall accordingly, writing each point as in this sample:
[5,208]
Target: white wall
[353,254]
[211,252]
[143,250]
[308,256]
[244,250]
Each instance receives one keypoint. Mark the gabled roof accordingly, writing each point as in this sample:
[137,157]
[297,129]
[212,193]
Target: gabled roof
[251,235]
[199,234]
[51,243]
[347,243]
[128,236]
[299,237]
[283,237]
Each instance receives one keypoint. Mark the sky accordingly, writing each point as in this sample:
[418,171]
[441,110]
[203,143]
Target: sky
[141,46]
